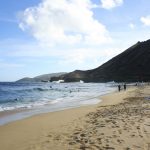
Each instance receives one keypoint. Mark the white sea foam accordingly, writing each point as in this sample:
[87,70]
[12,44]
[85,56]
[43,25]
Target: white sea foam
[39,97]
[7,108]
[54,102]
[30,105]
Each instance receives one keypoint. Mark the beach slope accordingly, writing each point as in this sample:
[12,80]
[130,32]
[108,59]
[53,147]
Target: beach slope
[120,121]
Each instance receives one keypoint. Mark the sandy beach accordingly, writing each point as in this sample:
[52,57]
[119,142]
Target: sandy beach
[120,122]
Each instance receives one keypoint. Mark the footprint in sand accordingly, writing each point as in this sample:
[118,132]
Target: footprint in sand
[49,135]
[120,131]
[120,141]
[127,148]
[147,146]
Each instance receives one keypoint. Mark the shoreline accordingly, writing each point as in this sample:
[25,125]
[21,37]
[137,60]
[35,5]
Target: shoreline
[54,130]
[10,116]
[15,134]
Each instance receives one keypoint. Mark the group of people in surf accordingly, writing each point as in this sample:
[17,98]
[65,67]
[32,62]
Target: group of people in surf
[124,87]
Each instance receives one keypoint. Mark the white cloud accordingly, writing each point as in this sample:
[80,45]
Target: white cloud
[131,25]
[75,57]
[145,20]
[5,64]
[85,55]
[109,4]
[8,20]
[64,22]
[10,65]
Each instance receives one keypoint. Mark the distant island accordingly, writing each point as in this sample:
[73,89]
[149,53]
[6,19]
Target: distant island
[132,65]
[41,78]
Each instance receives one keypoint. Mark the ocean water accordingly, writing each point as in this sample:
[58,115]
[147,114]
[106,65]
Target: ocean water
[28,99]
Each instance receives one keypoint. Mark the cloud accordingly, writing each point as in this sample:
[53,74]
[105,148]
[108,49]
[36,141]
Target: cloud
[21,52]
[10,65]
[131,25]
[79,56]
[90,56]
[109,4]
[145,20]
[8,20]
[5,64]
[64,22]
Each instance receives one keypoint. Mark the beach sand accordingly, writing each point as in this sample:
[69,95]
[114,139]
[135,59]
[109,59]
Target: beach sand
[121,122]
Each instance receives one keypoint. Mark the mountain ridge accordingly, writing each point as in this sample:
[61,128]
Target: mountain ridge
[132,65]
[41,78]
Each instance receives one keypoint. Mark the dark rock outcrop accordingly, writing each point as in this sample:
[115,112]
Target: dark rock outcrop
[130,66]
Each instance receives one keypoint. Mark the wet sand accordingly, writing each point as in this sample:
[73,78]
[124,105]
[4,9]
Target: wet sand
[121,122]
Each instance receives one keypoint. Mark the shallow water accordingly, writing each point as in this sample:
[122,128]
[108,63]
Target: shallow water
[35,98]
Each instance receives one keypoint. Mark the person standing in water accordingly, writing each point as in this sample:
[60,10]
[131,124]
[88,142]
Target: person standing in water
[119,87]
[124,86]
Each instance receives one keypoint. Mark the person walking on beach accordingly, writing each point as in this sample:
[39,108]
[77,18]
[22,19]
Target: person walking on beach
[124,86]
[119,87]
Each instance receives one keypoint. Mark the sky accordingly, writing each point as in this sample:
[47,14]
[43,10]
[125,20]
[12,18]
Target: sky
[48,36]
